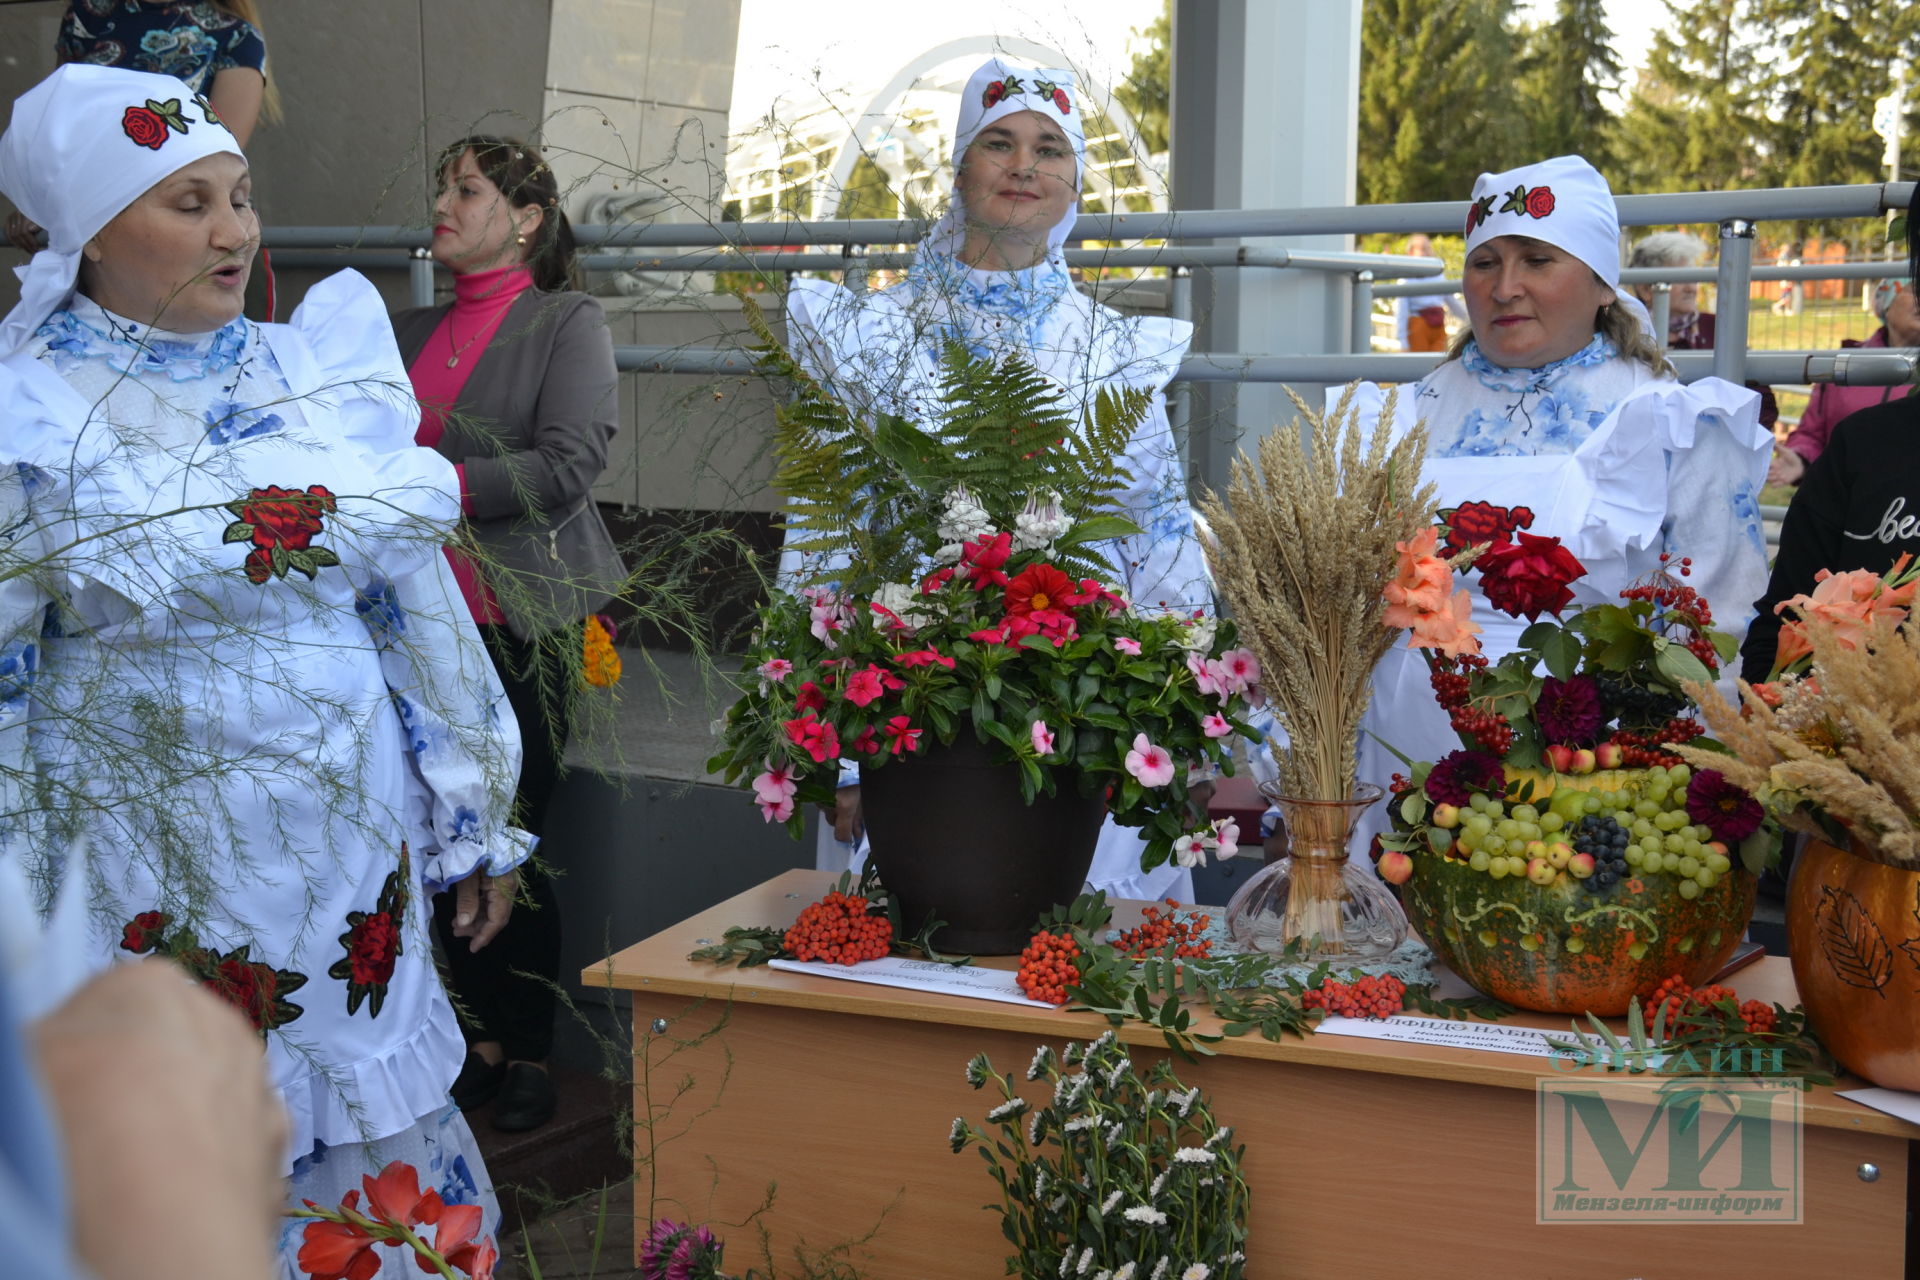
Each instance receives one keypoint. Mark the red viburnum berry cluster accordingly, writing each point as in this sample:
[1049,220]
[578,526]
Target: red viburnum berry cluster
[1644,750]
[1048,966]
[1399,784]
[1156,932]
[840,930]
[1450,688]
[1488,728]
[1687,609]
[1685,1006]
[1372,996]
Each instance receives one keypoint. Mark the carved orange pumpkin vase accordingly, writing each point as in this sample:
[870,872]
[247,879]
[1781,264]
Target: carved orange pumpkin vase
[1853,930]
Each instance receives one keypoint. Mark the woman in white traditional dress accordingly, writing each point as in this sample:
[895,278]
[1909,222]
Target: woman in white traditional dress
[1560,402]
[991,276]
[237,670]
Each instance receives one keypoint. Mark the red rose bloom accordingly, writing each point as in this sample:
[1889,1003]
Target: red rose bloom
[258,566]
[1473,523]
[144,127]
[995,91]
[1529,577]
[376,942]
[142,933]
[1539,202]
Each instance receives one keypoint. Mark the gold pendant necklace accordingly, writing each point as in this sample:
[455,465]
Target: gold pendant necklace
[453,361]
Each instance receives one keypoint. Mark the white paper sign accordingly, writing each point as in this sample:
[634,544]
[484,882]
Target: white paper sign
[1489,1037]
[1895,1102]
[922,975]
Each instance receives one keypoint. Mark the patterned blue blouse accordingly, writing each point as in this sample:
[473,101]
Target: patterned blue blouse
[192,40]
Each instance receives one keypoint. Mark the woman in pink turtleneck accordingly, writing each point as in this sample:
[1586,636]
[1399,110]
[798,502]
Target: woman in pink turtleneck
[517,387]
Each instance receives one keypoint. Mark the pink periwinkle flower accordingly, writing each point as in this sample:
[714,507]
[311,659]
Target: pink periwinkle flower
[1126,645]
[1215,726]
[1150,764]
[1042,738]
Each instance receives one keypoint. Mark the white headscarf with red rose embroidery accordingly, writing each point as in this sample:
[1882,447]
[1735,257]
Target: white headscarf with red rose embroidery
[996,90]
[83,144]
[1563,201]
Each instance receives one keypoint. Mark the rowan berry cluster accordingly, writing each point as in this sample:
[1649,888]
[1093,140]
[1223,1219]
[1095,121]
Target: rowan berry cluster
[1686,1006]
[1156,932]
[1645,750]
[1048,966]
[839,929]
[1370,996]
[1489,728]
[1686,609]
[1450,688]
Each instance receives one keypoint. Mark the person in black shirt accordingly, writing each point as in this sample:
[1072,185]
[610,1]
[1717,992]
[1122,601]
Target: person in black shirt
[1858,508]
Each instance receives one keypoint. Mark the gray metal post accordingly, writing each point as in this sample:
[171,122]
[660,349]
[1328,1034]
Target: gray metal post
[1662,308]
[420,277]
[1361,339]
[856,272]
[1733,288]
[1179,399]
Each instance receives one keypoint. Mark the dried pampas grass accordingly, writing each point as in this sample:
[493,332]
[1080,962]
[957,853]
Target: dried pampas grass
[1305,544]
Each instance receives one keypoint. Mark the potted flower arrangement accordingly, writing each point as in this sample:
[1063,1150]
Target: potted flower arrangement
[1830,745]
[963,645]
[1565,859]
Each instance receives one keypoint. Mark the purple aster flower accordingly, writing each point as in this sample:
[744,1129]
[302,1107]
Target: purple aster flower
[1458,774]
[1730,812]
[1569,711]
[678,1251]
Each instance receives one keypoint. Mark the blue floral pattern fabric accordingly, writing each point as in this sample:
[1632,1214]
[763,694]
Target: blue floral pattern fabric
[1485,411]
[188,39]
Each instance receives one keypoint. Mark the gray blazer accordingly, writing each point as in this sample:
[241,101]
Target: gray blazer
[531,428]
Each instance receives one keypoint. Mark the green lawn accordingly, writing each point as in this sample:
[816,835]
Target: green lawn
[1817,327]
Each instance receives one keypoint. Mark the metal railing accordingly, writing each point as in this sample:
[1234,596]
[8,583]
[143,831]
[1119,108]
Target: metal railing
[751,245]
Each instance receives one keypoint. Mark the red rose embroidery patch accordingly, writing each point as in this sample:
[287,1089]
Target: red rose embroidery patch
[1478,212]
[1000,90]
[373,943]
[153,124]
[1473,524]
[281,524]
[1529,202]
[254,987]
[1055,94]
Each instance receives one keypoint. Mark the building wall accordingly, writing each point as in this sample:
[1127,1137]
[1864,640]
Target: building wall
[372,88]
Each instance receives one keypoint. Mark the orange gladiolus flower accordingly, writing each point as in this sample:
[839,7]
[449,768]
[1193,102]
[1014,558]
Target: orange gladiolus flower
[1421,583]
[1451,630]
[1848,604]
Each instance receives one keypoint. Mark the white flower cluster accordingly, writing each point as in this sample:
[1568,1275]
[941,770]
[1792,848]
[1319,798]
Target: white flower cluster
[1194,1155]
[1039,523]
[961,521]
[904,603]
[1014,1106]
[1146,1214]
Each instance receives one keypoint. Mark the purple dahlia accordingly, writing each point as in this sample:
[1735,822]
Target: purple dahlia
[1569,711]
[1729,811]
[1458,774]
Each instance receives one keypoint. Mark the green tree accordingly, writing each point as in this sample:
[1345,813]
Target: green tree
[1437,101]
[1567,65]
[1148,88]
[1698,117]
[1837,59]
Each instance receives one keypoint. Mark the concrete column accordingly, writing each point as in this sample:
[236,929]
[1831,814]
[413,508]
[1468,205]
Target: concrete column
[1264,115]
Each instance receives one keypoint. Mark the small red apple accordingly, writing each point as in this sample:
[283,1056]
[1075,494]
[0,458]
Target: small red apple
[1584,761]
[1560,756]
[1395,867]
[1445,815]
[1608,755]
[1580,865]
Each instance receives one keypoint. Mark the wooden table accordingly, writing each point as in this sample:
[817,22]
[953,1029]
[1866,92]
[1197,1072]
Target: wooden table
[1365,1158]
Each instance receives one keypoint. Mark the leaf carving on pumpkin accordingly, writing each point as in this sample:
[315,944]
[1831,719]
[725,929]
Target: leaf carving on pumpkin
[1853,944]
[1912,945]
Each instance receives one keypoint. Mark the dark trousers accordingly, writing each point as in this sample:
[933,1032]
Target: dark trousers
[495,1001]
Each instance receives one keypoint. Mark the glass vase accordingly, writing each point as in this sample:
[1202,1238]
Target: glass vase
[1316,896]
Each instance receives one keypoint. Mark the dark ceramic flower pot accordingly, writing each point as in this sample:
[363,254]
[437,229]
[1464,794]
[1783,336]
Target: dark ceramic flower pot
[954,841]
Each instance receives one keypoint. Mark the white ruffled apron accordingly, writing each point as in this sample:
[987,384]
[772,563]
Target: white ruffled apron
[1404,713]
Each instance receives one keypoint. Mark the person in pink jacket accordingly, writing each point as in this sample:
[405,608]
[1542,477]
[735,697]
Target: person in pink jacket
[1900,313]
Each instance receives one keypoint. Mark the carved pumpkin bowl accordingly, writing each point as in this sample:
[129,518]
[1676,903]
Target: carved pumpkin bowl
[1853,934]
